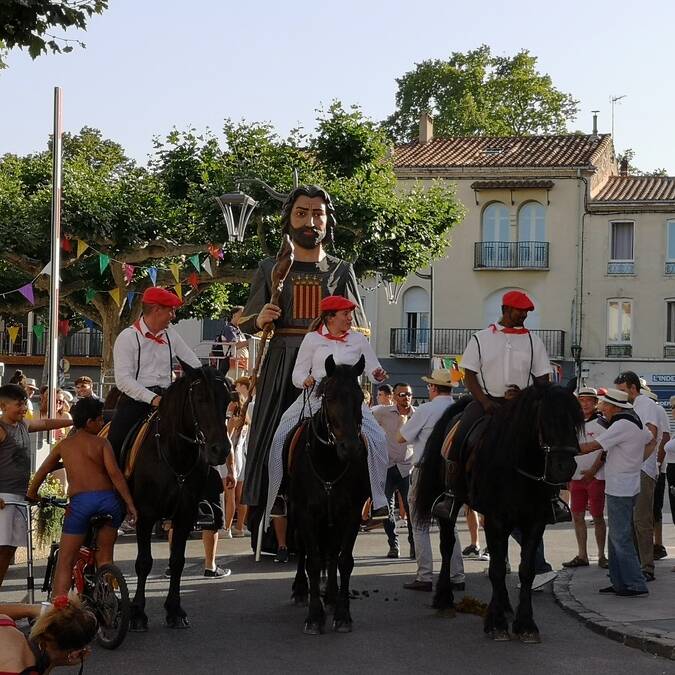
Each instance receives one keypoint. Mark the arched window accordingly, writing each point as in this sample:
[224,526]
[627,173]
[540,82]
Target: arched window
[496,223]
[532,222]
[416,320]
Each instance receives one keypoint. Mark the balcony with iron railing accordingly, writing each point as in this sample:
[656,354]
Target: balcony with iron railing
[414,342]
[618,351]
[510,255]
[87,342]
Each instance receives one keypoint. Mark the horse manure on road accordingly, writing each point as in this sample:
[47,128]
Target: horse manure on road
[470,605]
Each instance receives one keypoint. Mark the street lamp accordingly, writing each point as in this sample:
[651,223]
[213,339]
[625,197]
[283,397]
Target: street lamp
[229,203]
[392,291]
[575,350]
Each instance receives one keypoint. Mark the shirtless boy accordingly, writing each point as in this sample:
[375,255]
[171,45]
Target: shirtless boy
[95,485]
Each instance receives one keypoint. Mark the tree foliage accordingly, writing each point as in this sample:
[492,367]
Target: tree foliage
[166,212]
[629,155]
[28,24]
[479,93]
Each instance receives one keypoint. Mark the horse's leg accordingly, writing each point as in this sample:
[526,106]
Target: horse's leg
[497,536]
[524,626]
[444,599]
[342,618]
[139,620]
[330,596]
[175,615]
[300,589]
[316,617]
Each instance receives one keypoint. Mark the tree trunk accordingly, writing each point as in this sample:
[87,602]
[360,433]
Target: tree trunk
[111,325]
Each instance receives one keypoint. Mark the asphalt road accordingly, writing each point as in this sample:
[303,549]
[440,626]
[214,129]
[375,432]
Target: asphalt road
[246,624]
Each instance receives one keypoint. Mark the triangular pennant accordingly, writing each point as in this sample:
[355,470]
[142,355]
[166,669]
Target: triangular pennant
[103,261]
[130,298]
[152,273]
[64,327]
[27,292]
[39,330]
[128,273]
[179,290]
[47,269]
[215,251]
[207,266]
[82,246]
[66,245]
[91,294]
[13,332]
[194,259]
[175,270]
[89,324]
[115,295]
[193,279]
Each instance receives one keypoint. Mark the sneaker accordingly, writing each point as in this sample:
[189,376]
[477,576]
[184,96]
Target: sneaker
[660,552]
[603,563]
[240,533]
[425,586]
[607,590]
[282,555]
[484,555]
[630,593]
[226,533]
[649,576]
[471,551]
[540,580]
[393,552]
[380,514]
[218,572]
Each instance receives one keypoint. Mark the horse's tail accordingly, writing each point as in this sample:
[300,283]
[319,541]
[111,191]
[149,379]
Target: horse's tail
[429,480]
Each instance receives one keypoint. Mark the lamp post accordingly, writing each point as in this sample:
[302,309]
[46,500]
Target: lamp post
[575,350]
[229,203]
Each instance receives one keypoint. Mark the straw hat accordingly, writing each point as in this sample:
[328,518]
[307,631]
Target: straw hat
[649,393]
[441,377]
[616,397]
[30,382]
[588,392]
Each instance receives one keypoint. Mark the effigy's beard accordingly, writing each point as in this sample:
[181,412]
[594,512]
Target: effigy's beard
[305,241]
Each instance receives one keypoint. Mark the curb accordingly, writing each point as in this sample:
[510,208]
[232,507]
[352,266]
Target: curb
[650,641]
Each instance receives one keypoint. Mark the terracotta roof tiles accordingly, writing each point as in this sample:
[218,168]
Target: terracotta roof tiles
[502,151]
[637,189]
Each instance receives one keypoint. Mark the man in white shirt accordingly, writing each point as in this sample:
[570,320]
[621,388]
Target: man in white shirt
[498,362]
[627,444]
[391,418]
[643,516]
[660,489]
[385,396]
[417,431]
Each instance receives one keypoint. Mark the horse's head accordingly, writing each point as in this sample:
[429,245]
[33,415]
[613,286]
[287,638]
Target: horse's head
[203,410]
[342,401]
[550,417]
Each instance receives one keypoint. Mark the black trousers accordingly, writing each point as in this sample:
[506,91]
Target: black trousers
[128,413]
[401,483]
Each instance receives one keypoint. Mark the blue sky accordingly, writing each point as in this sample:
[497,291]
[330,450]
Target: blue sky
[151,65]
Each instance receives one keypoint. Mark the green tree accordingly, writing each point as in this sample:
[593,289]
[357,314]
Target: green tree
[166,212]
[479,93]
[629,155]
[29,24]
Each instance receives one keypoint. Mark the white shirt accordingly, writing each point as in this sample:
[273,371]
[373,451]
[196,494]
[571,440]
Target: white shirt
[155,365]
[316,348]
[663,428]
[505,359]
[647,411]
[419,427]
[625,444]
[670,452]
[592,429]
[400,454]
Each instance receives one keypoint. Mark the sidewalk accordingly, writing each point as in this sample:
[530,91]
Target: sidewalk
[647,623]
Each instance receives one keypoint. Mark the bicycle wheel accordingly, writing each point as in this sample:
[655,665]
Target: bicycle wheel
[110,602]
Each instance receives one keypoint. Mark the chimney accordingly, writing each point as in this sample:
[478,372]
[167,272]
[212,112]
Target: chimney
[623,170]
[595,122]
[426,128]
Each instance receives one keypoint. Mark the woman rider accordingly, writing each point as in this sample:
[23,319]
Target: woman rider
[331,334]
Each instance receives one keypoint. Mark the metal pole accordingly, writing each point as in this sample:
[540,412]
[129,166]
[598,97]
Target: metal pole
[431,318]
[54,281]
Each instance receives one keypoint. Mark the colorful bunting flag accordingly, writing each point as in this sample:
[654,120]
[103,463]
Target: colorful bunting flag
[82,246]
[215,251]
[179,290]
[128,271]
[103,261]
[194,259]
[13,332]
[64,327]
[152,273]
[175,270]
[66,245]
[130,298]
[47,269]
[207,266]
[89,324]
[115,295]
[27,292]
[193,280]
[91,294]
[39,330]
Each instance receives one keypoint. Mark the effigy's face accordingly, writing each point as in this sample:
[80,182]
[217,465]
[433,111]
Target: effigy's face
[308,221]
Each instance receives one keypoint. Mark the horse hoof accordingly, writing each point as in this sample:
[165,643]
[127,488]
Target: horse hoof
[313,628]
[446,613]
[500,635]
[178,622]
[530,638]
[342,626]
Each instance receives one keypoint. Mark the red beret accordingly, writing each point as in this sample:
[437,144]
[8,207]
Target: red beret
[518,300]
[335,303]
[160,296]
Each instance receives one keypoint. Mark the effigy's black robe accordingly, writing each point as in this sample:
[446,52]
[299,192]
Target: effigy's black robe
[307,283]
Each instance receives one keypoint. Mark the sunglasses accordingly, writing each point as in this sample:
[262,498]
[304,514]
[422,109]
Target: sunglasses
[404,394]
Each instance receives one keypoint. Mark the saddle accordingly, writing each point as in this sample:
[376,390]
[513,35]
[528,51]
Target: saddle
[295,439]
[132,443]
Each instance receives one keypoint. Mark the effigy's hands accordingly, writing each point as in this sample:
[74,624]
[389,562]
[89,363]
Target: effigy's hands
[380,374]
[267,314]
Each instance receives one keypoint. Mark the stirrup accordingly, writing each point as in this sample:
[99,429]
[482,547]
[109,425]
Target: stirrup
[205,515]
[443,506]
[560,512]
[279,509]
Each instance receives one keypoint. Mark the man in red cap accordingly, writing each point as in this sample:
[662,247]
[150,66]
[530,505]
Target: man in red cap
[498,362]
[308,217]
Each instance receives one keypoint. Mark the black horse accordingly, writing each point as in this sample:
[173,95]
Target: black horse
[328,486]
[187,437]
[508,473]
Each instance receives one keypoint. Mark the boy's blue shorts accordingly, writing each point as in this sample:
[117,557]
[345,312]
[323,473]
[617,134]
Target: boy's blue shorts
[85,505]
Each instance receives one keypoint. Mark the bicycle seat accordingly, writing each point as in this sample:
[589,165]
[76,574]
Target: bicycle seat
[100,520]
